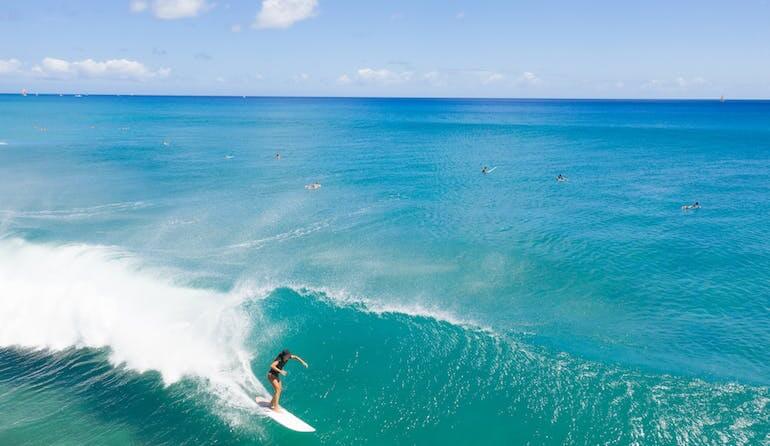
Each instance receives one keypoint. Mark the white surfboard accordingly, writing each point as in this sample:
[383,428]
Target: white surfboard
[492,169]
[284,417]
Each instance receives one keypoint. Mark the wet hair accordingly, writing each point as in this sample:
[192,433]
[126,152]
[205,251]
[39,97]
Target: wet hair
[286,354]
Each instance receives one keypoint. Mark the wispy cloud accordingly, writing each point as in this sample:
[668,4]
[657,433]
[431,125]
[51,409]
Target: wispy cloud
[490,77]
[170,9]
[678,83]
[120,69]
[381,76]
[435,78]
[284,13]
[138,5]
[528,78]
[9,66]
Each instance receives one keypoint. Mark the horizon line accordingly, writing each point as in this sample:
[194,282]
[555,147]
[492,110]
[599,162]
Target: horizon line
[500,98]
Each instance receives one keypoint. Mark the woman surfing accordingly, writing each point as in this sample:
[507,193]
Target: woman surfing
[275,372]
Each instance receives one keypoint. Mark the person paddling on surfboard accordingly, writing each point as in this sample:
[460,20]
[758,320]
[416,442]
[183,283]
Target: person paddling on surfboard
[275,372]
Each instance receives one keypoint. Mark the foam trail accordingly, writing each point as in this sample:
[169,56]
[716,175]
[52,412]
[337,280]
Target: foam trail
[57,297]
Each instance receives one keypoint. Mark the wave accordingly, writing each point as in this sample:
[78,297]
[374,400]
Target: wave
[345,299]
[438,379]
[55,298]
[59,297]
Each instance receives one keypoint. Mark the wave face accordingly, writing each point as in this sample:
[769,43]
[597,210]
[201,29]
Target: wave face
[422,380]
[155,256]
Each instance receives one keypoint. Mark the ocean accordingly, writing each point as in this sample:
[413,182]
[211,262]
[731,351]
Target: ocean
[156,254]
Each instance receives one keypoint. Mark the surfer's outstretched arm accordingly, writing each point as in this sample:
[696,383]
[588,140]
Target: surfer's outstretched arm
[301,361]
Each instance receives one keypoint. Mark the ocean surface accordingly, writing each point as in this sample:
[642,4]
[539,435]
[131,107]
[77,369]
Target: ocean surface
[155,256]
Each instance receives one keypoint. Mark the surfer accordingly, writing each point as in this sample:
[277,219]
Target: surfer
[275,372]
[277,155]
[695,205]
[561,178]
[485,170]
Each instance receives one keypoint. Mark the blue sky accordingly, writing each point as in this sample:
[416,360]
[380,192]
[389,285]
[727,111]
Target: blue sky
[451,48]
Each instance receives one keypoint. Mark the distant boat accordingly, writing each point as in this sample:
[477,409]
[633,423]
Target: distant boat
[721,99]
[23,91]
[78,95]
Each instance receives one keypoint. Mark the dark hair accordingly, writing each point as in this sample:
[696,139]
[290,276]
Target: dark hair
[285,353]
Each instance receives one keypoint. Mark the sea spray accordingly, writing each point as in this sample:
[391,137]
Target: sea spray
[58,297]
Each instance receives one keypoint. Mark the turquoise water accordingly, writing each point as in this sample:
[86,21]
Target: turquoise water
[155,256]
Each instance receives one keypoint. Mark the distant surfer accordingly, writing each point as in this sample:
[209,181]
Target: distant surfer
[485,170]
[687,207]
[313,186]
[275,372]
[561,178]
[277,155]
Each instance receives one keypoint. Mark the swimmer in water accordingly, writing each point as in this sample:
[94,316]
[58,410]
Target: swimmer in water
[561,178]
[687,207]
[485,170]
[313,186]
[277,155]
[276,371]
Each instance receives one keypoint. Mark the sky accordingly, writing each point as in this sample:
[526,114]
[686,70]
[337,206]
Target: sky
[423,48]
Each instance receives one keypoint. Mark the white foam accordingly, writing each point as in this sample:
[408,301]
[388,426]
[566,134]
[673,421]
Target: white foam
[58,297]
[3,143]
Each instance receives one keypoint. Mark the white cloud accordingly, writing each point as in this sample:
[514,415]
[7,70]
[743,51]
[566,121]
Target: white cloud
[9,66]
[123,69]
[171,9]
[528,78]
[382,76]
[678,83]
[682,82]
[385,77]
[53,66]
[138,5]
[435,78]
[488,77]
[302,77]
[284,13]
[344,79]
[235,28]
